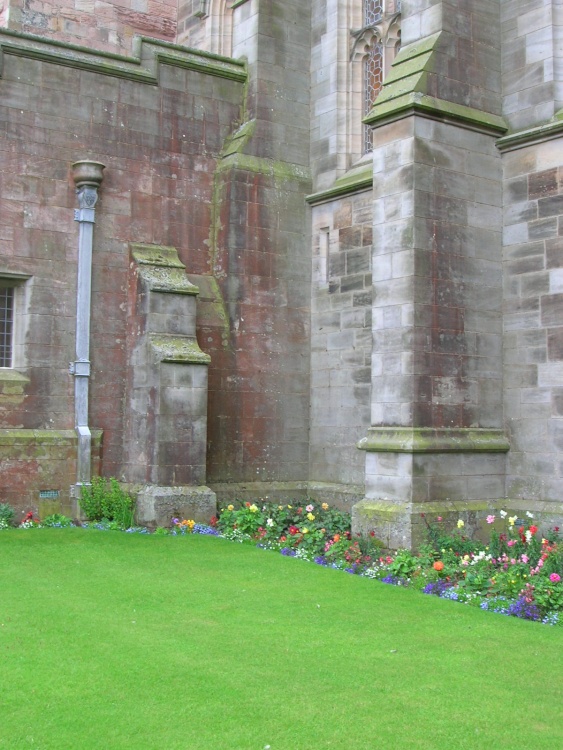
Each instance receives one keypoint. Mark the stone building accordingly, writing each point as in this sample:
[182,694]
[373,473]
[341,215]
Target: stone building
[326,255]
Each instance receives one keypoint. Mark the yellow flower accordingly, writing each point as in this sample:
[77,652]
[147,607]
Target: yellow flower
[290,507]
[460,524]
[253,508]
[324,506]
[512,520]
[230,507]
[304,530]
[310,517]
[280,507]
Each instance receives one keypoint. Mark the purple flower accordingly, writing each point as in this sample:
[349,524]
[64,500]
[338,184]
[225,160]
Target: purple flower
[201,528]
[320,560]
[525,610]
[288,552]
[436,588]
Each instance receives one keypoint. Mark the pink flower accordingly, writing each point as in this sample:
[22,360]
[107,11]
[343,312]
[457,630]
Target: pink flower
[524,558]
[440,518]
[490,519]
[540,563]
[511,542]
[310,508]
[555,578]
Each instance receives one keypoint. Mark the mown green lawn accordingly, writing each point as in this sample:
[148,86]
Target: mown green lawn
[112,641]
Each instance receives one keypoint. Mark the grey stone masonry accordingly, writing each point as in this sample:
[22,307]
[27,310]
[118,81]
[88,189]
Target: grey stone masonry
[533,320]
[532,74]
[340,337]
[167,381]
[437,277]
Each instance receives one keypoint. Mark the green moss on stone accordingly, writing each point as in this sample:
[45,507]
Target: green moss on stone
[429,440]
[405,91]
[162,270]
[143,67]
[156,255]
[180,349]
[357,179]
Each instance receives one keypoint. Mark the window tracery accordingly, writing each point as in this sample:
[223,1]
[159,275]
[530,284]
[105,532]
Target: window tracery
[373,49]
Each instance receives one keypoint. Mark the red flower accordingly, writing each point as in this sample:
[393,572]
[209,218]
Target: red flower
[556,529]
[533,529]
[247,505]
[293,530]
[213,521]
[438,565]
[372,533]
[282,538]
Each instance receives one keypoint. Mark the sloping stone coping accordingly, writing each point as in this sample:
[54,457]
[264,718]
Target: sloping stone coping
[143,65]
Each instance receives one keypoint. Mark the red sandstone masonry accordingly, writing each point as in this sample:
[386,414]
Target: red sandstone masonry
[108,26]
[151,171]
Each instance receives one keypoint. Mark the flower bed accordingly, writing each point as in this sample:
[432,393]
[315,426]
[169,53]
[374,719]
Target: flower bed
[518,573]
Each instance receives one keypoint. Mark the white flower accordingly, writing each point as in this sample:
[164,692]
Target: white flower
[528,535]
[529,514]
[270,522]
[503,514]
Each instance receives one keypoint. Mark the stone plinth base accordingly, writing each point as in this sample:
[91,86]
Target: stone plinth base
[157,506]
[405,526]
[341,496]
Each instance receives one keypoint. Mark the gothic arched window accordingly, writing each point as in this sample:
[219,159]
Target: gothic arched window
[374,48]
[373,80]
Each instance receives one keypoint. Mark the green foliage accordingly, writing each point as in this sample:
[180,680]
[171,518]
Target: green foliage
[161,531]
[547,595]
[457,542]
[312,530]
[7,514]
[404,564]
[57,520]
[106,500]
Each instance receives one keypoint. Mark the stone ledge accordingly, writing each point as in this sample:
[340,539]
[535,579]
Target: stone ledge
[356,180]
[17,436]
[8,375]
[161,268]
[178,349]
[430,440]
[532,136]
[406,91]
[279,170]
[441,110]
[142,66]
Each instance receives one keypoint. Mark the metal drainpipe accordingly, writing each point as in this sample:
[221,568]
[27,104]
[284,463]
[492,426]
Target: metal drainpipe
[87,177]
